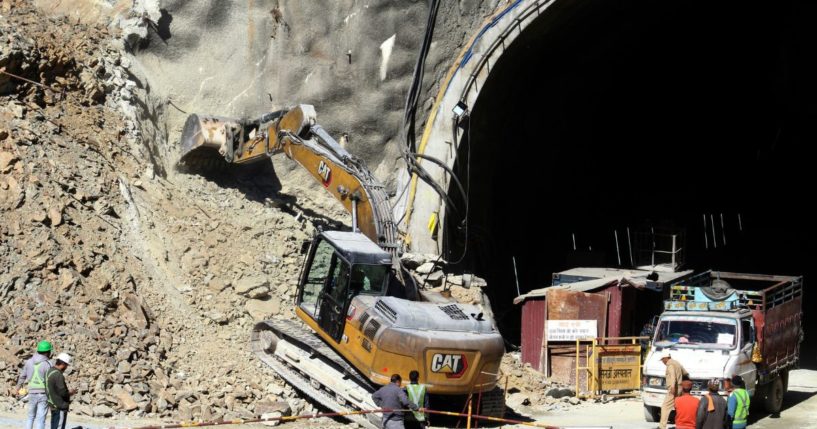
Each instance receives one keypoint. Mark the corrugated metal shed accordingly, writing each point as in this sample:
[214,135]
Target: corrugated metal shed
[608,295]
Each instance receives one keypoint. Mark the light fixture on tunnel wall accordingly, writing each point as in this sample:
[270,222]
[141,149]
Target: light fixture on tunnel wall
[460,111]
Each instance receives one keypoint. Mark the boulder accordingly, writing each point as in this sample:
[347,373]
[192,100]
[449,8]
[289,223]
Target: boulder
[185,412]
[517,399]
[266,406]
[55,215]
[275,389]
[426,268]
[560,392]
[132,312]
[434,279]
[262,309]
[245,285]
[103,411]
[412,260]
[126,401]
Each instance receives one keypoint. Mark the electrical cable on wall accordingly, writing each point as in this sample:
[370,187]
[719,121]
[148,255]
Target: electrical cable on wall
[409,118]
[466,194]
[417,81]
[410,151]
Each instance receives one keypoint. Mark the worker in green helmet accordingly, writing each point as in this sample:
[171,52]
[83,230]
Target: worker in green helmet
[32,382]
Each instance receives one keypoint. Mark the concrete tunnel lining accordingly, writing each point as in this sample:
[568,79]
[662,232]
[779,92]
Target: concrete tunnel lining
[462,83]
[733,187]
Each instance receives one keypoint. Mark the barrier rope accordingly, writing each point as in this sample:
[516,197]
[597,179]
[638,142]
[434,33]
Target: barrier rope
[191,424]
[341,414]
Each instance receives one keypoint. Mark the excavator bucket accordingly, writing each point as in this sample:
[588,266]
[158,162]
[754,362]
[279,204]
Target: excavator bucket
[208,142]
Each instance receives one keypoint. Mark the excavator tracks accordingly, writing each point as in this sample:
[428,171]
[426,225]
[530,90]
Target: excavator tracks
[309,365]
[318,371]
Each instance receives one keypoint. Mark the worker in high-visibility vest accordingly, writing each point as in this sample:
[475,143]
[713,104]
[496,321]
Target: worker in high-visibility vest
[417,395]
[32,383]
[59,396]
[738,403]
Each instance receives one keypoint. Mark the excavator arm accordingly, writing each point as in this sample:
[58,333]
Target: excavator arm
[295,133]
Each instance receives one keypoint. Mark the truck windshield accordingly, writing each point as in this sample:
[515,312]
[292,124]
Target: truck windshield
[696,331]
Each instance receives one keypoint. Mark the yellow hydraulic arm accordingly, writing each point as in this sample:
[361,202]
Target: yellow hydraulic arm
[295,132]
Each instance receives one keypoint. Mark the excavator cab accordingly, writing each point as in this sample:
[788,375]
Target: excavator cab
[339,266]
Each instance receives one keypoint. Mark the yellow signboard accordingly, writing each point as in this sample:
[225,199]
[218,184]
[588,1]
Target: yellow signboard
[619,367]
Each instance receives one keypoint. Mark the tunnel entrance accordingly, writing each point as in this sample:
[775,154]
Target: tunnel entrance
[604,116]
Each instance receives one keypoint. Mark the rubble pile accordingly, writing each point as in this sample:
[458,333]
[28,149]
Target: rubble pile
[152,283]
[529,389]
[64,274]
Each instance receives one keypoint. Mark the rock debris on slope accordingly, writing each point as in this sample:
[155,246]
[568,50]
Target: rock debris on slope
[151,279]
[138,276]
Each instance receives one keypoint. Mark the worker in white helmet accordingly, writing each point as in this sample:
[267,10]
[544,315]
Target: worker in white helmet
[57,391]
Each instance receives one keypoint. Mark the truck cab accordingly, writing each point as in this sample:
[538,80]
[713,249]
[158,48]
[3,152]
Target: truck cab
[716,331]
[708,345]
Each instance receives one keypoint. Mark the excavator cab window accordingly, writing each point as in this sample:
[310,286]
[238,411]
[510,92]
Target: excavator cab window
[315,275]
[329,282]
[369,279]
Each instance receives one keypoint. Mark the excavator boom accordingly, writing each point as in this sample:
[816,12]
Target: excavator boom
[295,133]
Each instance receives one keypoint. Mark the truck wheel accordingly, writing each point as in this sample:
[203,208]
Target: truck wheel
[785,376]
[773,400]
[652,414]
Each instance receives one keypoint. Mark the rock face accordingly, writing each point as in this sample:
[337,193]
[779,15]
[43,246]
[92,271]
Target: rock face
[337,54]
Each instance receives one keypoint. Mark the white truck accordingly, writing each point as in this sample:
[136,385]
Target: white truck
[719,324]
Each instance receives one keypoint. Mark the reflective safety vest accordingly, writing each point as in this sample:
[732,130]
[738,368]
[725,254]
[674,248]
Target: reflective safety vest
[741,406]
[36,381]
[417,394]
[48,396]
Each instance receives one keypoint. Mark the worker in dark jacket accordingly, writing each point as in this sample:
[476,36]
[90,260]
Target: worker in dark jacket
[712,408]
[58,394]
[392,397]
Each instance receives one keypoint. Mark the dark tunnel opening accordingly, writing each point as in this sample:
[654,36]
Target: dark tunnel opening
[603,116]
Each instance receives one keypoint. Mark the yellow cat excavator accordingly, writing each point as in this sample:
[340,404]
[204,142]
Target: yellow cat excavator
[369,318]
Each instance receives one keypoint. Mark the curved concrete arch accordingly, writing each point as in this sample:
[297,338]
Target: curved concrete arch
[421,207]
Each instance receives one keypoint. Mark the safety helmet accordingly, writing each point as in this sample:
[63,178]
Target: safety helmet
[43,347]
[64,357]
